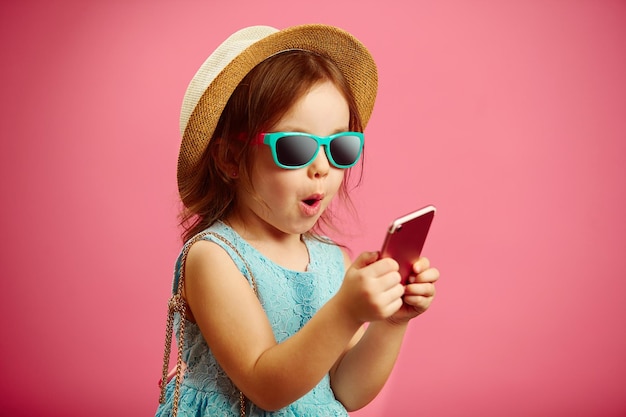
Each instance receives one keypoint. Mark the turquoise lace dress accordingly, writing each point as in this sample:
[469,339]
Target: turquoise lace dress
[290,299]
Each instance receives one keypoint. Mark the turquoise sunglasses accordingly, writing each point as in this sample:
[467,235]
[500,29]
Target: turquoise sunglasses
[293,150]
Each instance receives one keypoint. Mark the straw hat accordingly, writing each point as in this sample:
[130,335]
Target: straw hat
[211,87]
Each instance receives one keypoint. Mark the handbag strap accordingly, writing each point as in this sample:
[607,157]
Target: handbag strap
[177,304]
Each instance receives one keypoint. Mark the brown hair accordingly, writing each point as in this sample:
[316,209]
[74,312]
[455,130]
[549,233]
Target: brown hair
[261,99]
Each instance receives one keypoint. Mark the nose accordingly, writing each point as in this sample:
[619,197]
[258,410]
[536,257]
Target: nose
[320,167]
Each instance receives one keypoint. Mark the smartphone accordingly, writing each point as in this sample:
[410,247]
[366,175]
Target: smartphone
[405,239]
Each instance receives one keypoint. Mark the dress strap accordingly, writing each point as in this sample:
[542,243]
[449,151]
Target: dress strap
[178,304]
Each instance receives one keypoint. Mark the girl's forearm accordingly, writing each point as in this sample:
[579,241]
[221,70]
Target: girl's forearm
[365,368]
[288,370]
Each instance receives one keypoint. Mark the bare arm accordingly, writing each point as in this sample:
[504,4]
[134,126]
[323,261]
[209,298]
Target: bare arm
[238,332]
[365,367]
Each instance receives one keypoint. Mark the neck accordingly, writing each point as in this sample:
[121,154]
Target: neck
[284,249]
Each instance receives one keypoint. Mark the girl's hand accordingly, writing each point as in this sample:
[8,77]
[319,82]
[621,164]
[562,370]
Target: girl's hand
[371,289]
[419,292]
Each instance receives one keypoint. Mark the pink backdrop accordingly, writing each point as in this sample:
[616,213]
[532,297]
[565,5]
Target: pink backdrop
[509,116]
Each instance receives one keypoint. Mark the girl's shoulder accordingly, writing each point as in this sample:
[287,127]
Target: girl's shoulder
[217,233]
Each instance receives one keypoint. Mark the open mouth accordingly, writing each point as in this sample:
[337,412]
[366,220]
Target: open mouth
[313,199]
[312,205]
[310,201]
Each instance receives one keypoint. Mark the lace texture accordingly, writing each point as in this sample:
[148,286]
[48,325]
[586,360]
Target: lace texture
[290,299]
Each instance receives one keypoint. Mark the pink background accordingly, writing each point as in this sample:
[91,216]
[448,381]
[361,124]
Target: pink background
[509,116]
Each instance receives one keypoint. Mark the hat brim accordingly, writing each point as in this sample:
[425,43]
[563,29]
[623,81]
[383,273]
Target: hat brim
[351,57]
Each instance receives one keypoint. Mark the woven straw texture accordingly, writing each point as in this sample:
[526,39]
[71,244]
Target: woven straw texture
[218,77]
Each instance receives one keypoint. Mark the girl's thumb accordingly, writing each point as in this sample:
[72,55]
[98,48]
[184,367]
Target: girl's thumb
[365,259]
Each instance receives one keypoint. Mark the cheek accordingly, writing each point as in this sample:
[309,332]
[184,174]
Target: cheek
[271,182]
[262,158]
[263,165]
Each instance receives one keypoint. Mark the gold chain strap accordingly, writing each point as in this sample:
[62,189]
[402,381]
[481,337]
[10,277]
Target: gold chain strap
[177,304]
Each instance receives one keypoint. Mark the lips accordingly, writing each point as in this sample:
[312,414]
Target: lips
[311,205]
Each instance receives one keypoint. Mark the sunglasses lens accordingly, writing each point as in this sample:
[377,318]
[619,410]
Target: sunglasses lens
[345,150]
[294,151]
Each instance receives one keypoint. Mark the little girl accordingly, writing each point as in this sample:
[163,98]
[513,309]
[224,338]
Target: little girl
[271,315]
